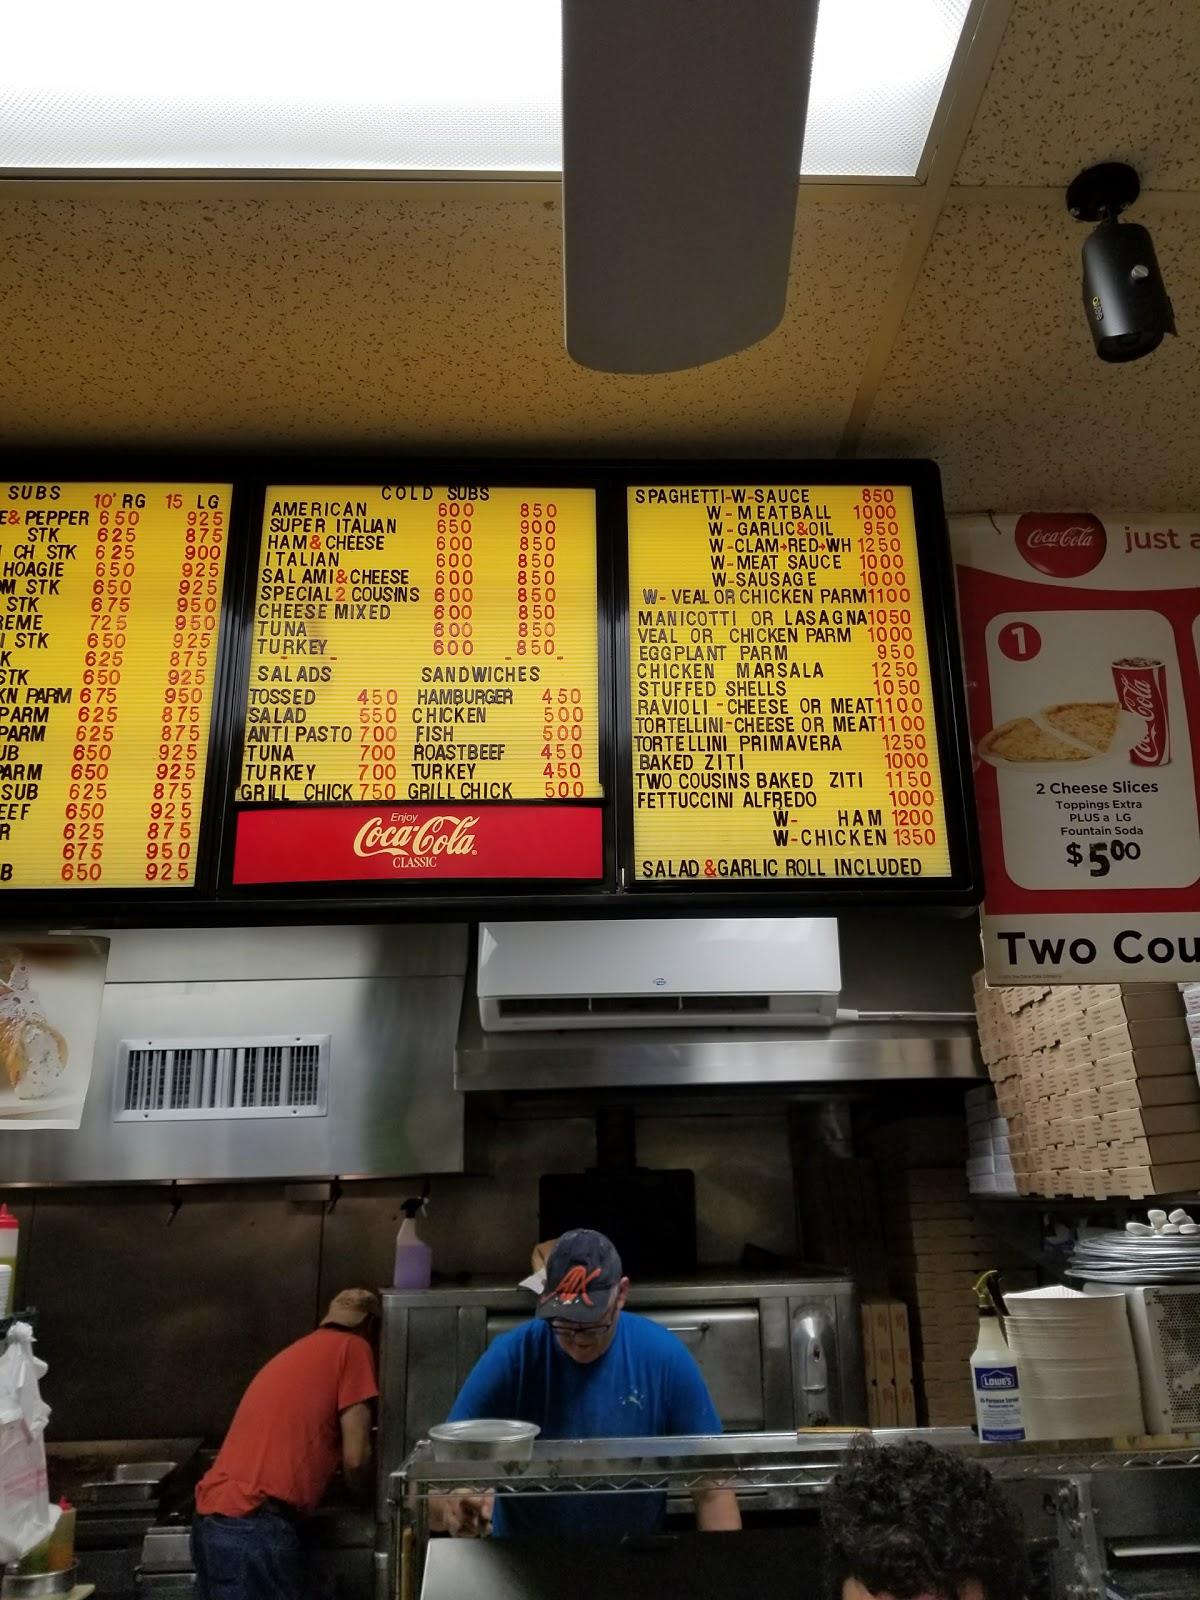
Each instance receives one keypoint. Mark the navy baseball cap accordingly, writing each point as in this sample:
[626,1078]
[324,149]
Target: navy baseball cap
[582,1275]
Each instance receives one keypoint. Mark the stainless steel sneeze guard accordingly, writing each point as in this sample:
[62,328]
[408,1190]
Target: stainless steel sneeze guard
[789,1468]
[759,1461]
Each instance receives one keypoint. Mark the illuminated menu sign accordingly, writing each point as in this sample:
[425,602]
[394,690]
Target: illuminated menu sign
[423,657]
[110,605]
[783,725]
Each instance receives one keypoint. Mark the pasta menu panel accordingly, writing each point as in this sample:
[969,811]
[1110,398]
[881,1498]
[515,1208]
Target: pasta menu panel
[782,699]
[421,656]
[110,607]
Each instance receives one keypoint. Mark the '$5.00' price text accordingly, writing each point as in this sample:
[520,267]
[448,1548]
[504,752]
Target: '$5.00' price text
[1103,854]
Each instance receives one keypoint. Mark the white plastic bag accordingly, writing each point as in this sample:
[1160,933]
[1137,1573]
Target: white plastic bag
[26,1516]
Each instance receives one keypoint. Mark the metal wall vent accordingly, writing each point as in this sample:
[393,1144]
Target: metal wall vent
[197,1080]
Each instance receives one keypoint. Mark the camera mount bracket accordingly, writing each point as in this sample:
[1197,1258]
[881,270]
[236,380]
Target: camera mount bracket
[1100,194]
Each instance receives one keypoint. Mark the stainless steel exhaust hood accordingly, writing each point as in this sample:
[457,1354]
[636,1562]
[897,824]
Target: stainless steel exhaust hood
[239,1053]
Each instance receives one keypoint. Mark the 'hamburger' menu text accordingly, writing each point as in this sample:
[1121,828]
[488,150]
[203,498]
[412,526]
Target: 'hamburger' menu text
[416,643]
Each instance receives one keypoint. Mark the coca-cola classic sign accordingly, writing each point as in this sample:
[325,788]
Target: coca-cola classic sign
[1062,545]
[416,841]
[338,844]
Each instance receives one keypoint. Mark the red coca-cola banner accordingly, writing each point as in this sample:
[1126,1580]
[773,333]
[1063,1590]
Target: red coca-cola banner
[407,843]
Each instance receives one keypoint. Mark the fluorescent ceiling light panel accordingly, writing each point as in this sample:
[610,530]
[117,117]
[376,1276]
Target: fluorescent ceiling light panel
[449,86]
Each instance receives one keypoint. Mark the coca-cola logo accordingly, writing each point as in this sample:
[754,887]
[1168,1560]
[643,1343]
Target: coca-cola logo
[409,839]
[1139,698]
[1061,544]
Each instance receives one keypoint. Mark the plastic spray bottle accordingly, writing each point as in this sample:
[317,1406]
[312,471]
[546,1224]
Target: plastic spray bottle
[995,1380]
[414,1258]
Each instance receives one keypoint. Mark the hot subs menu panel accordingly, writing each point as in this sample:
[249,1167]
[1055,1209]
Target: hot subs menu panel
[110,608]
[783,698]
[423,696]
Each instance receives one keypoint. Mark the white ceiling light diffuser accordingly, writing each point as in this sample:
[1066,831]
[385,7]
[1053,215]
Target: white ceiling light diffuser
[460,88]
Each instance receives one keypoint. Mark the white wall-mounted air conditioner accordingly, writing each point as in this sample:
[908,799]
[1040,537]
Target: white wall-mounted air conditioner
[733,972]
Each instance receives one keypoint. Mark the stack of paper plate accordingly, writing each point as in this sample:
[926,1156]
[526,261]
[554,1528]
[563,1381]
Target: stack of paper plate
[1079,1375]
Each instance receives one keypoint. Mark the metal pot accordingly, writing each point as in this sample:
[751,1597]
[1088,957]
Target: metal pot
[485,1439]
[38,1583]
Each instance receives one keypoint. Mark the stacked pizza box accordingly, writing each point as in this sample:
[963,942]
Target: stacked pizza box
[1191,1006]
[938,1245]
[887,1358]
[989,1144]
[1098,1084]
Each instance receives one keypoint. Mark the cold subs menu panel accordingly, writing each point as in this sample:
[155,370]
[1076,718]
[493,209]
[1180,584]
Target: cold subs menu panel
[783,725]
[423,659]
[110,606]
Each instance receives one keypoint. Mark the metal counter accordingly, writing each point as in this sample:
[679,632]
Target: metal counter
[1069,1484]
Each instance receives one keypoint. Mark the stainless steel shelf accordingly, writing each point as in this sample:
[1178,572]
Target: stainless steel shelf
[804,1462]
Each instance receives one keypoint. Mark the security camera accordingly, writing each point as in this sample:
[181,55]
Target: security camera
[1127,306]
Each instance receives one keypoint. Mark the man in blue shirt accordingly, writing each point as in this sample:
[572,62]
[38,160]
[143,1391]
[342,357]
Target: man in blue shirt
[586,1368]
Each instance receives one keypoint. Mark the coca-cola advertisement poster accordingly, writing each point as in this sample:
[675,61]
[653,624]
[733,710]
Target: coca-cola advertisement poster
[406,843]
[1081,633]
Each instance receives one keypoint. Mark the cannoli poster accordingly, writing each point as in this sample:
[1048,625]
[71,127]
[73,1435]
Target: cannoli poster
[50,994]
[1081,637]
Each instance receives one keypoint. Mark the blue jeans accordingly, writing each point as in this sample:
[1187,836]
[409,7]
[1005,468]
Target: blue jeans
[248,1558]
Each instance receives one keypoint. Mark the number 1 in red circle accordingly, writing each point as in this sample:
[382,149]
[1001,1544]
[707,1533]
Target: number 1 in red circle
[1019,641]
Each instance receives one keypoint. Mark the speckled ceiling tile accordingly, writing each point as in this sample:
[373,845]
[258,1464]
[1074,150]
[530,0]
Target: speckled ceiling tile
[1080,81]
[350,315]
[995,375]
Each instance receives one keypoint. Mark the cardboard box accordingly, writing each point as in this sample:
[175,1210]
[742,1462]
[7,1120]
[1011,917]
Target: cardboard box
[946,1373]
[1149,1061]
[868,1338]
[900,1212]
[933,1233]
[901,1343]
[906,1405]
[1126,1094]
[1139,1035]
[1140,1182]
[1134,1001]
[977,1104]
[881,1340]
[1169,1119]
[955,1346]
[886,1405]
[923,1142]
[1158,1150]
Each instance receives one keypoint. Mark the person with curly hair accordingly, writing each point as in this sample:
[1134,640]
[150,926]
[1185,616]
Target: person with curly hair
[908,1522]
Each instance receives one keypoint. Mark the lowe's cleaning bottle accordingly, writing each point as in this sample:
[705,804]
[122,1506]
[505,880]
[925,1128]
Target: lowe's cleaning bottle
[995,1379]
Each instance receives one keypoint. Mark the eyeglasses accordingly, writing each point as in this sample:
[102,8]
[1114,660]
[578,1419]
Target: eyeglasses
[592,1333]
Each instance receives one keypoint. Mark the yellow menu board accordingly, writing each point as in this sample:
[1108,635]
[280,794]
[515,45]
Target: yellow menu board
[110,606]
[418,642]
[782,702]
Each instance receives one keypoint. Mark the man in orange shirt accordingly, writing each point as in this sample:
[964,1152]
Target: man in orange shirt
[305,1414]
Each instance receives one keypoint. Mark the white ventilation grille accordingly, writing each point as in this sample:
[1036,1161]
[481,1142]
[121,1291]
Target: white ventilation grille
[195,1080]
[1179,1344]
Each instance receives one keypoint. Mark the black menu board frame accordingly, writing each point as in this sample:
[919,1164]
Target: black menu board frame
[439,897]
[213,899]
[106,906]
[960,886]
